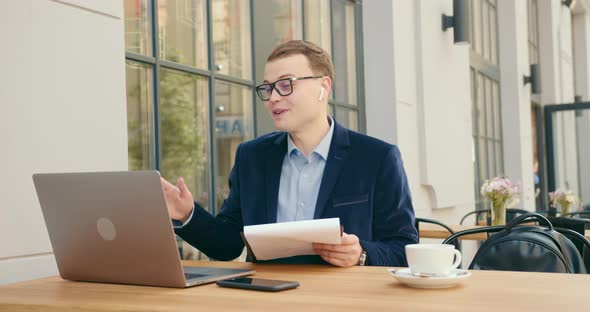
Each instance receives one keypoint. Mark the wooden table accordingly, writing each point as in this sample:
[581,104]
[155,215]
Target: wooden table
[323,288]
[428,230]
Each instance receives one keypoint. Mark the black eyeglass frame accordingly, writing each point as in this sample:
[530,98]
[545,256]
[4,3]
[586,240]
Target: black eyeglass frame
[260,88]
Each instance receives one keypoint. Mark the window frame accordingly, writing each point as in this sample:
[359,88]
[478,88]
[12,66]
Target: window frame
[480,65]
[213,77]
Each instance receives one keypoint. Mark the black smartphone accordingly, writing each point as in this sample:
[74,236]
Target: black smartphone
[257,284]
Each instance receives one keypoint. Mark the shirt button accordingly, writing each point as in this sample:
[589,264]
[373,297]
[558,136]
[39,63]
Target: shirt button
[305,175]
[301,204]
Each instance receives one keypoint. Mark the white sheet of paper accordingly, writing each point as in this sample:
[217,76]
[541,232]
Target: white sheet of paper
[287,239]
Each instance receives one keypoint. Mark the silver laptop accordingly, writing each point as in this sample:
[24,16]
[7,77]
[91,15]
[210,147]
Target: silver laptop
[114,227]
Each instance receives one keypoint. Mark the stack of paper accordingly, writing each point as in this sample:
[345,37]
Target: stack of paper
[287,239]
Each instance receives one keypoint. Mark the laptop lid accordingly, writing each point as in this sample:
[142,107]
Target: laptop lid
[113,227]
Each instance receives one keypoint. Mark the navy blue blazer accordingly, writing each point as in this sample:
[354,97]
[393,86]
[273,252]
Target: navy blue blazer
[364,184]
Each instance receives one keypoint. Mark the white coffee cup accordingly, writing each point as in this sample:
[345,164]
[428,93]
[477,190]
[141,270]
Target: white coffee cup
[432,259]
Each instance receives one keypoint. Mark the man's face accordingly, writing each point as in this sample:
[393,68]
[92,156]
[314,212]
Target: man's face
[293,112]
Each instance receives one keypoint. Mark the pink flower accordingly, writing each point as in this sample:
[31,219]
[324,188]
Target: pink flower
[500,190]
[561,197]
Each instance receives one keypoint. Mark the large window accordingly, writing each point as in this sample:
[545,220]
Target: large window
[333,25]
[191,67]
[189,82]
[344,23]
[485,95]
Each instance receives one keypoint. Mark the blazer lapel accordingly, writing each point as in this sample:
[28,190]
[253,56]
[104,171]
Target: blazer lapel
[274,165]
[335,162]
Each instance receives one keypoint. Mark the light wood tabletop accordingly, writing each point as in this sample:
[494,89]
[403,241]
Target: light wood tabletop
[428,230]
[323,288]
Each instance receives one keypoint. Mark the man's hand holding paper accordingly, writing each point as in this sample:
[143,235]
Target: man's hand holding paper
[288,239]
[345,254]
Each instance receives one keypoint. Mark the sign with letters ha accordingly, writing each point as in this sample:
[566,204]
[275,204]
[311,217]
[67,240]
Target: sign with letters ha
[231,126]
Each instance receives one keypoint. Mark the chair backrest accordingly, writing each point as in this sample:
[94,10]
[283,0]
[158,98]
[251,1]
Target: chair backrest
[583,214]
[527,248]
[417,222]
[575,224]
[579,226]
[511,213]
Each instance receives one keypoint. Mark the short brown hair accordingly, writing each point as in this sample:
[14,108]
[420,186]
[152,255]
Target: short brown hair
[319,60]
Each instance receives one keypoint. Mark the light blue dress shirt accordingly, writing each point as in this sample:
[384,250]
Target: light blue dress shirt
[301,178]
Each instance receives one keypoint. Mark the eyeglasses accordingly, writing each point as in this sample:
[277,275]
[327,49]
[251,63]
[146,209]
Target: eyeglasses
[284,87]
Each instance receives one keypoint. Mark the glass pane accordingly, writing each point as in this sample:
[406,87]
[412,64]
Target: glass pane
[474,155]
[347,118]
[480,108]
[535,22]
[233,125]
[182,30]
[583,155]
[138,35]
[317,23]
[529,8]
[499,158]
[473,99]
[478,176]
[231,38]
[476,26]
[489,109]
[287,20]
[482,161]
[184,131]
[533,32]
[492,158]
[140,125]
[497,111]
[494,36]
[530,29]
[344,33]
[485,30]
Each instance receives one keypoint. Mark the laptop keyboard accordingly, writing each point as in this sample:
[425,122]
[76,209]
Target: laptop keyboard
[189,276]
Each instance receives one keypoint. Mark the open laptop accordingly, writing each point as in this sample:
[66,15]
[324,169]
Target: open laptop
[114,227]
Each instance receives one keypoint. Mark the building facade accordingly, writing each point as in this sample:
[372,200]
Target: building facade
[167,85]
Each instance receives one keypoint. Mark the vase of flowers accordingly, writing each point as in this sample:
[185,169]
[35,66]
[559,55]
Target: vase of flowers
[502,194]
[566,199]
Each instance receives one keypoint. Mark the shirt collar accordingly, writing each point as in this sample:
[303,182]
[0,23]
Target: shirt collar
[322,149]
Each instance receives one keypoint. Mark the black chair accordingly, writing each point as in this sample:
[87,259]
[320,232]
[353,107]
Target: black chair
[577,225]
[577,213]
[572,229]
[417,222]
[511,213]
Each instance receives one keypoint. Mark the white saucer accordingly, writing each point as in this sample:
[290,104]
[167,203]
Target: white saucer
[405,276]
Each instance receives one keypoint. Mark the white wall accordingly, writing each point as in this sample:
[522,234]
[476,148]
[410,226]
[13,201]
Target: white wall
[418,95]
[557,72]
[443,109]
[62,98]
[581,43]
[515,97]
[549,15]
[417,89]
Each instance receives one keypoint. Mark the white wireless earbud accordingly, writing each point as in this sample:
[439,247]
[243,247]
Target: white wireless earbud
[321,94]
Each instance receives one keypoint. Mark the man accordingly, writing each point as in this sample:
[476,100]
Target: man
[314,168]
